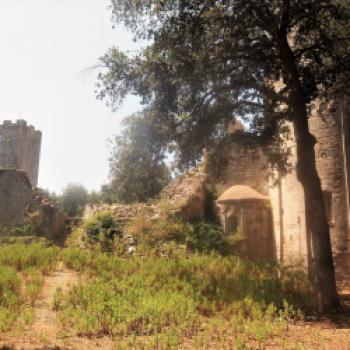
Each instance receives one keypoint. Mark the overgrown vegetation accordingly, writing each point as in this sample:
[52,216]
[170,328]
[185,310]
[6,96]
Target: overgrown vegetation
[148,299]
[177,286]
[209,63]
[180,282]
[22,267]
[138,171]
[73,199]
[166,233]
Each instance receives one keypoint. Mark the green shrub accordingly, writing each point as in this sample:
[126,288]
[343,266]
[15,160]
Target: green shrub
[156,232]
[206,237]
[9,286]
[163,297]
[33,281]
[101,230]
[199,235]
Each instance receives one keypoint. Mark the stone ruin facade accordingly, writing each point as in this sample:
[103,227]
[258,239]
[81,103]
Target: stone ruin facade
[185,197]
[246,213]
[283,214]
[21,204]
[286,198]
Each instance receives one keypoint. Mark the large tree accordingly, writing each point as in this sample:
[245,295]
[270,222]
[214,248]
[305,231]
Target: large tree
[137,168]
[73,199]
[211,61]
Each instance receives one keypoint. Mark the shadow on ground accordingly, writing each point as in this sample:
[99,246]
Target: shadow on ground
[5,347]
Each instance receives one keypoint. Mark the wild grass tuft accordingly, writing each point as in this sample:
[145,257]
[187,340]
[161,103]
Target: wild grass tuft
[170,297]
[21,276]
[28,256]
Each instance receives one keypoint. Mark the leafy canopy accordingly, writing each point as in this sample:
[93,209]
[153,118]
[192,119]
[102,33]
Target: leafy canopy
[211,61]
[137,168]
[73,199]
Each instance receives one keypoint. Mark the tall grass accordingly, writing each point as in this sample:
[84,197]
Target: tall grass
[156,297]
[9,296]
[21,276]
[174,290]
[28,256]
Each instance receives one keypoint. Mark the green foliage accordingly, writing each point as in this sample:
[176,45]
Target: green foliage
[206,237]
[137,167]
[200,236]
[21,277]
[73,199]
[210,62]
[153,298]
[100,230]
[26,256]
[156,232]
[9,297]
[33,281]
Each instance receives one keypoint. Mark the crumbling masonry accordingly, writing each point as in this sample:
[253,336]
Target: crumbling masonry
[286,198]
[277,226]
[20,203]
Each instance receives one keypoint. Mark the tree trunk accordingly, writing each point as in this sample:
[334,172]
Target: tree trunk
[323,274]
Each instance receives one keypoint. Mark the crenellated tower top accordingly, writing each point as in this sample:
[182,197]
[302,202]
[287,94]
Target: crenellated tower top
[20,148]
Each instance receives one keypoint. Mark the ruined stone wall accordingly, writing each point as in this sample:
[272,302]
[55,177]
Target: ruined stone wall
[288,211]
[330,124]
[245,167]
[15,195]
[184,197]
[20,205]
[20,148]
[51,222]
[249,167]
[332,148]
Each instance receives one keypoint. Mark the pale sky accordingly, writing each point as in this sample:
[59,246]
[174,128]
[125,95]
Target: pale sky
[46,48]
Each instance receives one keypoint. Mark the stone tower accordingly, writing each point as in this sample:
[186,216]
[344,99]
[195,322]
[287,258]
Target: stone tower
[20,148]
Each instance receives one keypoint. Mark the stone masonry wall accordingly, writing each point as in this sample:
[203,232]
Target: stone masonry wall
[249,167]
[20,148]
[15,195]
[288,211]
[184,197]
[21,205]
[246,167]
[330,124]
[287,200]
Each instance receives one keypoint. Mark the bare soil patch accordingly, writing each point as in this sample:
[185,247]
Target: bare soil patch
[46,332]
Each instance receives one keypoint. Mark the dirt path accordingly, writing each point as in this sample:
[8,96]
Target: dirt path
[46,332]
[45,319]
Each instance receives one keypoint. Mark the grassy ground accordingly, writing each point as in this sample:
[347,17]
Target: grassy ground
[151,301]
[165,295]
[22,271]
